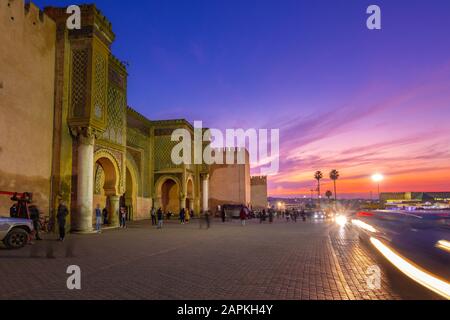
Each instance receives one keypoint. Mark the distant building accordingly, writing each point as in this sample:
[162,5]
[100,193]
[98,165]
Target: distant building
[229,183]
[258,192]
[415,199]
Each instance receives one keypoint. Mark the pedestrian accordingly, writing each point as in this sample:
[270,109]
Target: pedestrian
[34,216]
[261,217]
[160,216]
[187,216]
[287,215]
[13,211]
[270,216]
[224,217]
[98,219]
[105,216]
[303,214]
[63,212]
[243,216]
[123,217]
[182,216]
[153,215]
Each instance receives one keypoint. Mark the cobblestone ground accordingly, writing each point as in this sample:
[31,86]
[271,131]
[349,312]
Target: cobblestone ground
[279,261]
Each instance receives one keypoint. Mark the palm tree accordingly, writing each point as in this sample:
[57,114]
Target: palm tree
[328,194]
[318,176]
[334,175]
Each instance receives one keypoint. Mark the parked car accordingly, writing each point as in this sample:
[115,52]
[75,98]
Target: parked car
[15,232]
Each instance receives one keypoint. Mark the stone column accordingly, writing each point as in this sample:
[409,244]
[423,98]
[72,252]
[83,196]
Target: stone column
[182,201]
[114,203]
[205,192]
[82,220]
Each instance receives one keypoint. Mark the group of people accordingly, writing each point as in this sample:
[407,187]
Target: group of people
[101,217]
[185,216]
[270,214]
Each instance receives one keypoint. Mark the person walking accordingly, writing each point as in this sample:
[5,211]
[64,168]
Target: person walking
[270,216]
[123,217]
[105,216]
[182,216]
[242,216]
[98,219]
[224,217]
[61,216]
[153,215]
[160,216]
[34,216]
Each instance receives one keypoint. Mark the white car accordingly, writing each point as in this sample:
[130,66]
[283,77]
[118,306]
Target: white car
[15,232]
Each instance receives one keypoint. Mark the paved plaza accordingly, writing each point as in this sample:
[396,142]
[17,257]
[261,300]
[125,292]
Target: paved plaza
[303,260]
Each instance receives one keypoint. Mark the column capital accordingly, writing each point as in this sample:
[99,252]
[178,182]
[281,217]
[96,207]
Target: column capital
[205,176]
[84,135]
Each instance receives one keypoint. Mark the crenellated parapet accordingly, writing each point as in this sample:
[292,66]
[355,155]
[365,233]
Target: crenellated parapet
[18,17]
[258,180]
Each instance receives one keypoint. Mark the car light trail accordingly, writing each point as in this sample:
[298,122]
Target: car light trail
[364,225]
[444,245]
[341,220]
[424,278]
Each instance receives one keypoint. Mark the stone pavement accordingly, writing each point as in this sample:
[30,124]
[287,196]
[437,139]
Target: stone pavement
[312,260]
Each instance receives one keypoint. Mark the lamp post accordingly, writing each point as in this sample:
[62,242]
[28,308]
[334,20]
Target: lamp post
[378,177]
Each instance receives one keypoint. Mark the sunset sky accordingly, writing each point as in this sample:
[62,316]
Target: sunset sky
[343,97]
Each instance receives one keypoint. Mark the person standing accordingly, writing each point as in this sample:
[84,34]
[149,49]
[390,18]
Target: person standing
[105,216]
[153,216]
[223,215]
[122,217]
[61,216]
[242,216]
[159,215]
[98,219]
[182,215]
[13,211]
[270,216]
[187,216]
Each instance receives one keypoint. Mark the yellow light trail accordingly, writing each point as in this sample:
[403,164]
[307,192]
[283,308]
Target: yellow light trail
[424,278]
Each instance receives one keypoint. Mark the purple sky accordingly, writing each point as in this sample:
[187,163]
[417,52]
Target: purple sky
[343,96]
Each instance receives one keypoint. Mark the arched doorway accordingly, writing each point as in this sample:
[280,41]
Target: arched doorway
[190,195]
[130,194]
[106,177]
[170,196]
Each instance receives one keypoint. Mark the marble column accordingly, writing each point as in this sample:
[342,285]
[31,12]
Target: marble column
[82,220]
[114,203]
[182,201]
[205,192]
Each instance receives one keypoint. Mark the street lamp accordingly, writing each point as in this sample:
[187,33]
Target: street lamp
[378,177]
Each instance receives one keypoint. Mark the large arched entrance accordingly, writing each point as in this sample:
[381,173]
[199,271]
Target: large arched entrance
[130,194]
[106,177]
[170,197]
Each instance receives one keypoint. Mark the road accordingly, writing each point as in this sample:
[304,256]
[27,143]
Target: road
[303,260]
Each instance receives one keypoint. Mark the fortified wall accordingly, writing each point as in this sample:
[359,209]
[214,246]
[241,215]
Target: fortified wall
[258,192]
[27,81]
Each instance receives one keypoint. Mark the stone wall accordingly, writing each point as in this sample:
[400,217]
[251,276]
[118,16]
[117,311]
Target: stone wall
[229,184]
[258,192]
[27,80]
